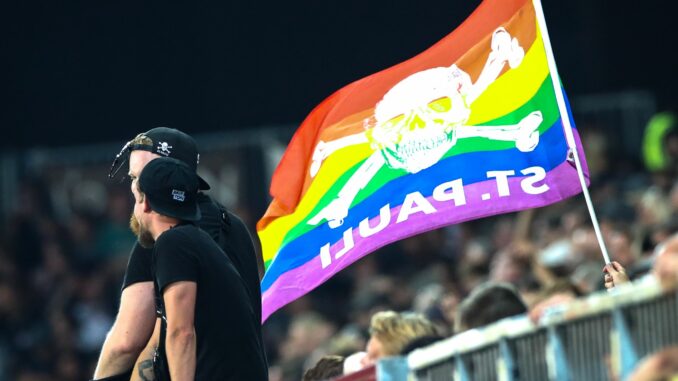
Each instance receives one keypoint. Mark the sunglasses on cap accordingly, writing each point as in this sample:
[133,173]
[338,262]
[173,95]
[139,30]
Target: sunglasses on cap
[140,142]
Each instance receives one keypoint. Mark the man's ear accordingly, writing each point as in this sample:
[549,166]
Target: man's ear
[147,205]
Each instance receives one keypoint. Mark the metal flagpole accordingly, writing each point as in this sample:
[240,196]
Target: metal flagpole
[555,78]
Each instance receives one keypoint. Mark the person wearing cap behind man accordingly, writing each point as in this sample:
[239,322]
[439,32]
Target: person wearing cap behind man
[207,323]
[136,317]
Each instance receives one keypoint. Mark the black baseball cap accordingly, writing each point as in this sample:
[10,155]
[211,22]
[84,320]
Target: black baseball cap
[171,187]
[164,141]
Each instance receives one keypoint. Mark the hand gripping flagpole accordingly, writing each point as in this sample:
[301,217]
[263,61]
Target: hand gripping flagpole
[555,78]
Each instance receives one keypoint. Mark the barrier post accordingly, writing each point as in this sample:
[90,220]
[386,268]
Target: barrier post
[506,365]
[624,355]
[392,369]
[556,359]
[460,371]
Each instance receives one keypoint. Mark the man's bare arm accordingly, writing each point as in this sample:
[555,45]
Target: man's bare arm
[180,342]
[143,369]
[131,331]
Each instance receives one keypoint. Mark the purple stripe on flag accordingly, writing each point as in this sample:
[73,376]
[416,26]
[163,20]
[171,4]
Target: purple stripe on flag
[562,182]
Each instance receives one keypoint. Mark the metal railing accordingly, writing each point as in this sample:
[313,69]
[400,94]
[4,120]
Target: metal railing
[592,338]
[585,340]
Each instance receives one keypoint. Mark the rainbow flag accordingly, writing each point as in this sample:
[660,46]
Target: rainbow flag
[467,129]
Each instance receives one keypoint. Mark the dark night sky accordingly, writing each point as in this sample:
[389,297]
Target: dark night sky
[91,71]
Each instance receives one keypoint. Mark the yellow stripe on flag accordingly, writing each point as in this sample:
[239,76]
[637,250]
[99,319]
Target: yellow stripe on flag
[513,88]
[332,168]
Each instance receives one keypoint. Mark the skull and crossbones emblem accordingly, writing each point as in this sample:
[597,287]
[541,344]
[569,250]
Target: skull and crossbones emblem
[421,118]
[164,148]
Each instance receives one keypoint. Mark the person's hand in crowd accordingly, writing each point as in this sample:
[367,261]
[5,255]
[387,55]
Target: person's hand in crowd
[539,309]
[615,274]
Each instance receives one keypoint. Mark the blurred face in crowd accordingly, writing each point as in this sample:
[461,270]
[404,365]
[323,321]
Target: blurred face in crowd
[137,162]
[621,247]
[375,351]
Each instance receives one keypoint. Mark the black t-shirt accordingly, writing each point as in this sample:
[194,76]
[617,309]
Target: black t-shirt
[228,231]
[226,326]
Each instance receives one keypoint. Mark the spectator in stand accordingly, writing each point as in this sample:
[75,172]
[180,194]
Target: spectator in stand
[488,303]
[390,331]
[328,367]
[561,292]
[666,265]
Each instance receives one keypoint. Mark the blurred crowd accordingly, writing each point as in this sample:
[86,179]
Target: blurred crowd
[60,277]
[59,285]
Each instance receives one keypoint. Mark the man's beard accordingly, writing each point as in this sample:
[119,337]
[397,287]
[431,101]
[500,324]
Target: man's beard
[144,236]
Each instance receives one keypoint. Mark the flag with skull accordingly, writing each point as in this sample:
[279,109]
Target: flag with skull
[467,129]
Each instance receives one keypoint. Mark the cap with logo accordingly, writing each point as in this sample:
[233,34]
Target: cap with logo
[171,188]
[167,142]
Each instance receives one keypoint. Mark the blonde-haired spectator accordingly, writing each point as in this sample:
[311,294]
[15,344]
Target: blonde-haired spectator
[391,331]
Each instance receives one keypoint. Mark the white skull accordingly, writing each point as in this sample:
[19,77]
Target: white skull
[416,119]
[164,148]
